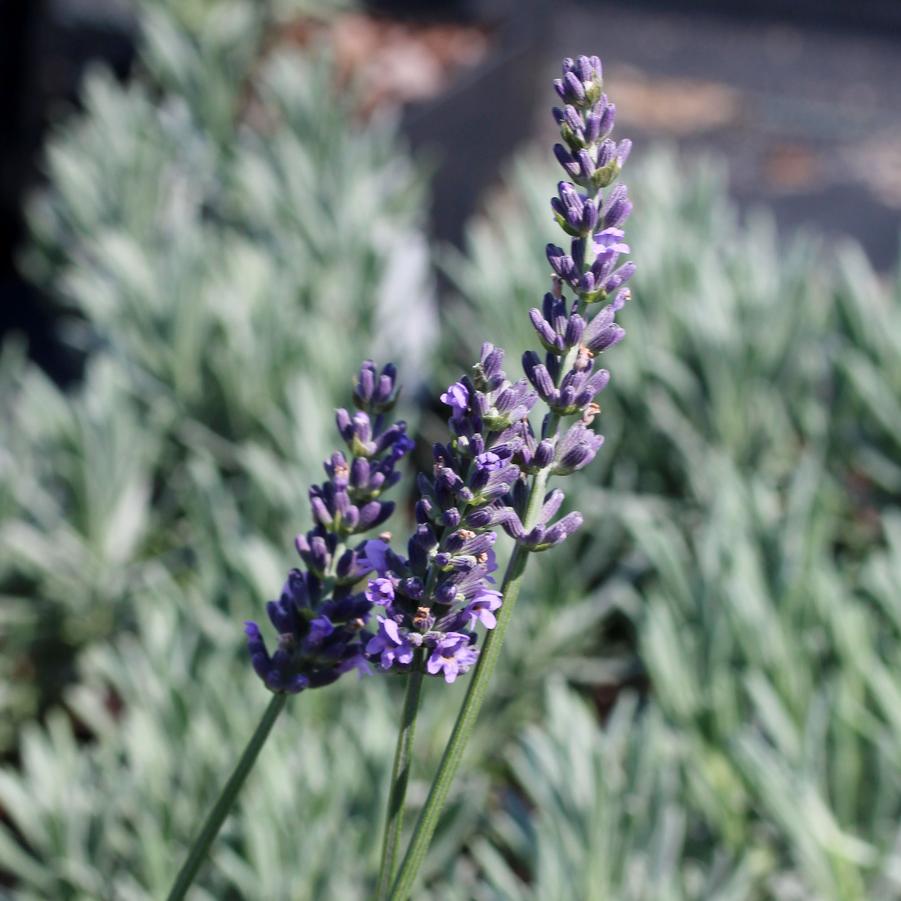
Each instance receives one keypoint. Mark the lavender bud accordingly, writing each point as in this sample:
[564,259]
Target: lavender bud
[538,375]
[359,473]
[374,514]
[575,327]
[374,393]
[602,337]
[620,277]
[587,284]
[566,160]
[423,510]
[576,449]
[589,217]
[572,119]
[618,207]
[320,511]
[561,262]
[344,424]
[586,165]
[583,68]
[347,564]
[544,453]
[491,361]
[552,502]
[549,339]
[573,88]
[365,384]
[350,519]
[561,530]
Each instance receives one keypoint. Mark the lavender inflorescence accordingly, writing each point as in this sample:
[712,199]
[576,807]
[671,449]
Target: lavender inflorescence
[593,160]
[567,379]
[320,619]
[433,598]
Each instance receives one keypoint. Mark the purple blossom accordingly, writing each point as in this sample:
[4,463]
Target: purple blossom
[380,592]
[610,241]
[320,629]
[483,607]
[376,551]
[489,462]
[457,398]
[390,644]
[452,655]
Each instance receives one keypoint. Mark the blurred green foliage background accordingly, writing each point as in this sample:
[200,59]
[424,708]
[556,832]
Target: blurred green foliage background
[700,697]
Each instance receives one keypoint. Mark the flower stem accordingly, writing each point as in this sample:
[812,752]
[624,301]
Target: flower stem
[469,711]
[224,804]
[400,776]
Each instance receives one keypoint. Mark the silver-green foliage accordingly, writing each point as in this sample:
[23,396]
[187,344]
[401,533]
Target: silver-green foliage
[754,423]
[230,248]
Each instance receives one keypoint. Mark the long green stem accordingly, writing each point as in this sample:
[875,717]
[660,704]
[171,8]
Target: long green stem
[469,712]
[400,776]
[224,804]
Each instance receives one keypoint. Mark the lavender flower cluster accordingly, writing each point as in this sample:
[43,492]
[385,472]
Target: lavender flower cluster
[433,598]
[319,618]
[593,161]
[567,379]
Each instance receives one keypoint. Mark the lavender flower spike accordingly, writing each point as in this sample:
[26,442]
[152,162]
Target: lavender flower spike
[437,594]
[495,470]
[319,617]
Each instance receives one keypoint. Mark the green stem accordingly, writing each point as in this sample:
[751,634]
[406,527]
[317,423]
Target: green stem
[224,804]
[469,712]
[400,776]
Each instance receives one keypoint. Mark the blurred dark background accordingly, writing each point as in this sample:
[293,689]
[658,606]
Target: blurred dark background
[802,98]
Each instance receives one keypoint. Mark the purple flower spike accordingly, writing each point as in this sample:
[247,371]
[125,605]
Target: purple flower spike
[479,481]
[320,620]
[452,655]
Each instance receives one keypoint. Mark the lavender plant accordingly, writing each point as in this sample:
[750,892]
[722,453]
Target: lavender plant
[493,438]
[319,617]
[491,474]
